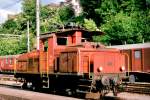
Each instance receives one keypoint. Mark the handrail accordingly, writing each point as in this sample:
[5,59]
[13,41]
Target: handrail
[47,64]
[40,64]
[15,66]
[128,59]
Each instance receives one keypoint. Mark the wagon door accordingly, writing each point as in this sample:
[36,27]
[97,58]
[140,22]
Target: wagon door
[137,60]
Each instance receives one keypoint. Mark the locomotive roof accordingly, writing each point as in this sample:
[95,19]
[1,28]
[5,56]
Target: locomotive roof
[71,31]
[9,56]
[74,49]
[25,56]
[131,46]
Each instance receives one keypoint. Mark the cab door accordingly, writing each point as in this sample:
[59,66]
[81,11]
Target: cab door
[88,66]
[85,64]
[43,62]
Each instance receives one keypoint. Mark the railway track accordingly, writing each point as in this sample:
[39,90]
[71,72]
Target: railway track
[9,81]
[137,87]
[130,88]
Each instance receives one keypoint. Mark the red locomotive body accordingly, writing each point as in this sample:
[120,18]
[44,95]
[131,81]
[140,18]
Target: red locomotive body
[28,62]
[90,60]
[69,60]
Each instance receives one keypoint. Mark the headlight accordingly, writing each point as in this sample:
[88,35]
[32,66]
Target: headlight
[100,69]
[122,68]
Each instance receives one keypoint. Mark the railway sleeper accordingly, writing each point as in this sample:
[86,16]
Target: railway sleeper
[138,90]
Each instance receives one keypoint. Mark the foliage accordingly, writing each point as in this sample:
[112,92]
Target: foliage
[89,24]
[121,20]
[89,7]
[57,17]
[66,14]
[49,19]
[29,14]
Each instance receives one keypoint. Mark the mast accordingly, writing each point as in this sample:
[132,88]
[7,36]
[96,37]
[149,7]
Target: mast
[38,23]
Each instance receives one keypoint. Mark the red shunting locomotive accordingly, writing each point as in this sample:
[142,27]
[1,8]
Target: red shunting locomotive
[70,61]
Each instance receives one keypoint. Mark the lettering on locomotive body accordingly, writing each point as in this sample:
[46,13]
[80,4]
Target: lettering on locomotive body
[109,63]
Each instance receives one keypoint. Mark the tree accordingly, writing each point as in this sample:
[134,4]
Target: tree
[123,28]
[50,19]
[89,7]
[121,20]
[28,14]
[66,15]
[89,24]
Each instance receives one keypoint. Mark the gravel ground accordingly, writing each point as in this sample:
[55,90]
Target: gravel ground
[11,83]
[131,96]
[13,94]
[30,95]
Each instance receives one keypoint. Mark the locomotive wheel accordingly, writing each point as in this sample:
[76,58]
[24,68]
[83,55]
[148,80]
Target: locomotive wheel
[24,86]
[35,86]
[115,91]
[69,92]
[105,81]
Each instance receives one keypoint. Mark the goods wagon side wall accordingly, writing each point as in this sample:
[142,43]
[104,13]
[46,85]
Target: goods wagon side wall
[0,64]
[136,59]
[146,60]
[139,59]
[7,64]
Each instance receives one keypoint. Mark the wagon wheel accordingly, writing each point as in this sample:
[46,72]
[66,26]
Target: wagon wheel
[131,78]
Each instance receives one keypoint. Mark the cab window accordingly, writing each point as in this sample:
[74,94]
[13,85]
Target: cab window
[62,41]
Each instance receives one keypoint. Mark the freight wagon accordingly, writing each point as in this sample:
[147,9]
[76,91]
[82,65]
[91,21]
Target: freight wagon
[137,60]
[8,64]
